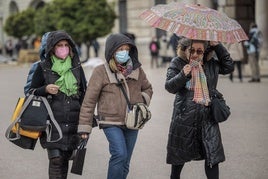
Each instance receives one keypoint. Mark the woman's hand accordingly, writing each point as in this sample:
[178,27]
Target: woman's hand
[84,135]
[213,43]
[187,69]
[52,89]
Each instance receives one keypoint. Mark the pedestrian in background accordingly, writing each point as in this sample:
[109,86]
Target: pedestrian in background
[60,78]
[154,48]
[9,46]
[237,54]
[163,52]
[36,42]
[193,135]
[96,47]
[1,48]
[253,46]
[173,42]
[122,66]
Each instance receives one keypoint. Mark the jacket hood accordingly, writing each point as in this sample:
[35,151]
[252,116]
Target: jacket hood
[116,40]
[42,49]
[56,36]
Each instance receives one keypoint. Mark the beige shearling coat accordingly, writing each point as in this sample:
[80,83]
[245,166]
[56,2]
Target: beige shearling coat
[104,93]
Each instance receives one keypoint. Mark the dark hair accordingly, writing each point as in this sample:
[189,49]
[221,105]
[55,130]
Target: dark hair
[253,25]
[184,43]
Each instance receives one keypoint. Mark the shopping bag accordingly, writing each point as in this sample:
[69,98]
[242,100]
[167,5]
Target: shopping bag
[23,142]
[79,158]
[22,138]
[78,161]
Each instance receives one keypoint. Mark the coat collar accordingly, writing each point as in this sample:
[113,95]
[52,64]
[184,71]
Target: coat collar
[133,75]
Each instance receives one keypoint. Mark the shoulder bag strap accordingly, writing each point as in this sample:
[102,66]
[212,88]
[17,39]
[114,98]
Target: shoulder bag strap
[119,84]
[52,118]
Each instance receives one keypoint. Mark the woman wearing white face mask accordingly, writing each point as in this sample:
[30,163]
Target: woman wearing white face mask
[121,65]
[60,77]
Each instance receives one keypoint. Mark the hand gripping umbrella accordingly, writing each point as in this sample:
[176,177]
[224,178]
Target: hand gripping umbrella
[194,21]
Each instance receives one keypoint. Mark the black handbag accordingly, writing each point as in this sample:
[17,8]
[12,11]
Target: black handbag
[219,109]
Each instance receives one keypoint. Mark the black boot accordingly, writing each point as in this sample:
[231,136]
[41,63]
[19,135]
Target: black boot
[58,163]
[58,168]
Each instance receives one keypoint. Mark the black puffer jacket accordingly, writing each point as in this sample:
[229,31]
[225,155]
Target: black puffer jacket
[192,134]
[65,108]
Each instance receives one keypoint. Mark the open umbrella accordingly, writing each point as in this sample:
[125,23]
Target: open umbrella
[194,21]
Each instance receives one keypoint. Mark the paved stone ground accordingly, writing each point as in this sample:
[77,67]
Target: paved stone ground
[244,135]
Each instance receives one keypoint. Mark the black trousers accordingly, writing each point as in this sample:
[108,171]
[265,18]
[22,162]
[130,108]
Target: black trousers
[239,70]
[58,163]
[211,172]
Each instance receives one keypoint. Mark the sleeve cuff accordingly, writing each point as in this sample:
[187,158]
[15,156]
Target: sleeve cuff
[146,97]
[84,128]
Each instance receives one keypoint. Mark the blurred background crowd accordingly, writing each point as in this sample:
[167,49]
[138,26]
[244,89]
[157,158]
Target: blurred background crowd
[23,22]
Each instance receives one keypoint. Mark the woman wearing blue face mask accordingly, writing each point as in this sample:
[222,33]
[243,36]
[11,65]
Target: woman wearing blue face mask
[122,66]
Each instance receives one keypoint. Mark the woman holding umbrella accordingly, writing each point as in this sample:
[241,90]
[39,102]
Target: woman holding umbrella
[193,134]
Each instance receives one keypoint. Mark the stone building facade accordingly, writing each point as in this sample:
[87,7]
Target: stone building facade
[244,11]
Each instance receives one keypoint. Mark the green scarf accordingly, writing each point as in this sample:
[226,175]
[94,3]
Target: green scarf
[67,82]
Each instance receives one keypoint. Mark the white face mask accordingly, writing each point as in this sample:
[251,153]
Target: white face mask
[122,56]
[62,52]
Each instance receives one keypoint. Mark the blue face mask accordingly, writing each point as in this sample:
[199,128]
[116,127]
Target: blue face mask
[122,56]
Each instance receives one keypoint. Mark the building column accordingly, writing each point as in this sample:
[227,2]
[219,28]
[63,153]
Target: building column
[261,16]
[205,3]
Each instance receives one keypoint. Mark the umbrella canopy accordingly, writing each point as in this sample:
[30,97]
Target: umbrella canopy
[194,21]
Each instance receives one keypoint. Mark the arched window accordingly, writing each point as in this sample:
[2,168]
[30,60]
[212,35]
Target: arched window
[13,7]
[37,4]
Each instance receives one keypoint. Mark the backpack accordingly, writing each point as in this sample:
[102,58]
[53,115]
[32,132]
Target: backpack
[30,77]
[154,47]
[257,40]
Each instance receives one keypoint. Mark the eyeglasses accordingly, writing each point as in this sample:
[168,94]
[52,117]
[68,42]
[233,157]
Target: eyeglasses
[198,51]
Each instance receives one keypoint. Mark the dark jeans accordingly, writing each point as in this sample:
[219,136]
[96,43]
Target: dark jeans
[121,145]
